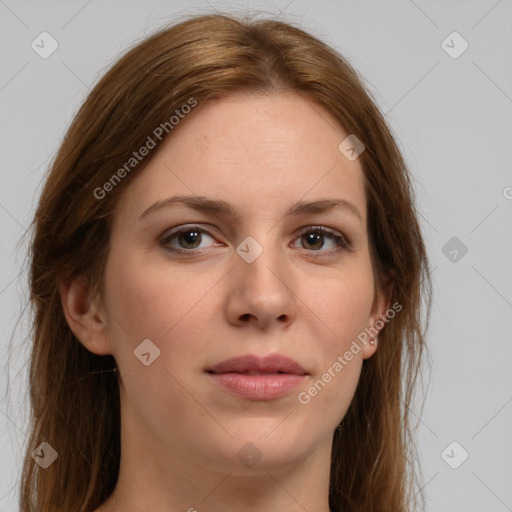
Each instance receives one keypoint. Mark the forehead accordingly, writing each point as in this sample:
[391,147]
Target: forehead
[262,150]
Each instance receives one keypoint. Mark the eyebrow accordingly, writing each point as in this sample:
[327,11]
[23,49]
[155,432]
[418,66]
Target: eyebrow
[219,207]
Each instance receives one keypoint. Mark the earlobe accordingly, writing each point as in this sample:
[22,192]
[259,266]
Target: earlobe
[83,315]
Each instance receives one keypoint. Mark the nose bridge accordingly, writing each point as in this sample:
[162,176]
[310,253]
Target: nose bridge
[261,288]
[261,258]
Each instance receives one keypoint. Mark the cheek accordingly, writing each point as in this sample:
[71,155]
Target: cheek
[343,305]
[170,309]
[156,302]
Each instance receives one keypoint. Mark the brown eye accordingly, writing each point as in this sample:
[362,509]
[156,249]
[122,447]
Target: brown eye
[187,240]
[323,240]
[312,240]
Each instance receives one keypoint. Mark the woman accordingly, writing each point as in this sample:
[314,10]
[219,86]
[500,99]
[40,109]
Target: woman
[227,271]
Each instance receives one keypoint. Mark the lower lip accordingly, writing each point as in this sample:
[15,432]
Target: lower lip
[258,387]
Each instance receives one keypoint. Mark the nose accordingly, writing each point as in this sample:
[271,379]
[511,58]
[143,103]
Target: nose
[261,292]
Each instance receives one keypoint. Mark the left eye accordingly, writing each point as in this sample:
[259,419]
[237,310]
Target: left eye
[315,239]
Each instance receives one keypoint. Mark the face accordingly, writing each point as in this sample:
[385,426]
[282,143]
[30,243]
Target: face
[257,260]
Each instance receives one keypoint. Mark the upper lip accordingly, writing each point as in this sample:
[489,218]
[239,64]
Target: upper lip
[276,363]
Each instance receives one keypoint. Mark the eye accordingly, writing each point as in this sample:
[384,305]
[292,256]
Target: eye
[186,240]
[189,240]
[317,238]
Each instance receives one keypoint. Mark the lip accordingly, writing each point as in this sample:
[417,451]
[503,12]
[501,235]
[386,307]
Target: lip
[258,378]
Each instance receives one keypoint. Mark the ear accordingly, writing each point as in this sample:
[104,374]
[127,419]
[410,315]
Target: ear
[84,315]
[377,320]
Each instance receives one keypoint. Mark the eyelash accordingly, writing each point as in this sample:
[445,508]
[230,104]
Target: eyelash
[340,240]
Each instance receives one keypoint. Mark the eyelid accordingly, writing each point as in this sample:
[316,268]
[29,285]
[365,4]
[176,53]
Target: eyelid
[323,229]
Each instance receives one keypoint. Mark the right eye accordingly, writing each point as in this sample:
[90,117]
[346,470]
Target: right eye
[186,240]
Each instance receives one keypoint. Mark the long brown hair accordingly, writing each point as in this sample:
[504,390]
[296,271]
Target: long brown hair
[74,396]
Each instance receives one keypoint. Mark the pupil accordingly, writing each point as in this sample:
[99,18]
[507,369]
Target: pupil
[314,239]
[190,237]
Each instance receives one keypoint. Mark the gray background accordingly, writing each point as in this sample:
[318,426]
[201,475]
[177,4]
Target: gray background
[452,117]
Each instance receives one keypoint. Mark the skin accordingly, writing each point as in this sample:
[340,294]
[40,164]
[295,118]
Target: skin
[180,433]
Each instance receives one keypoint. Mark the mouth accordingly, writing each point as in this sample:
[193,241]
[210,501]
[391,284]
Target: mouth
[251,373]
[273,364]
[255,378]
